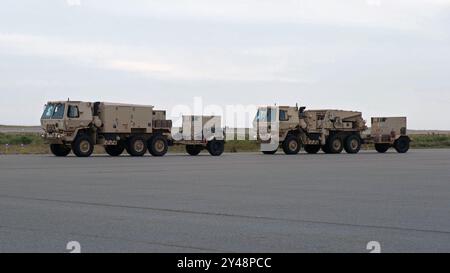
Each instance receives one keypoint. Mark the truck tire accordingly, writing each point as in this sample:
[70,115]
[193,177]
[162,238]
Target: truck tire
[83,146]
[401,145]
[291,145]
[193,150]
[136,146]
[270,152]
[60,149]
[215,147]
[312,149]
[157,145]
[335,144]
[382,147]
[352,144]
[325,149]
[114,150]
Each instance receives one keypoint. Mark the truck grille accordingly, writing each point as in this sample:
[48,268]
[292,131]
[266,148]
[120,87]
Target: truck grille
[51,128]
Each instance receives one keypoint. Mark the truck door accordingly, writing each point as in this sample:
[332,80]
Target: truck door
[73,117]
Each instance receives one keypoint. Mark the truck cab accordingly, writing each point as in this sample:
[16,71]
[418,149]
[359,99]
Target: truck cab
[61,120]
[274,124]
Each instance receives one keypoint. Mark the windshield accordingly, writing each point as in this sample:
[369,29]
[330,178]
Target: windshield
[53,111]
[48,111]
[264,115]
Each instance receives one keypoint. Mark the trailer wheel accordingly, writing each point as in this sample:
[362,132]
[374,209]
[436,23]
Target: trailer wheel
[382,147]
[216,147]
[158,145]
[83,146]
[114,150]
[352,144]
[60,149]
[401,145]
[193,149]
[136,146]
[312,149]
[335,144]
[291,145]
[270,152]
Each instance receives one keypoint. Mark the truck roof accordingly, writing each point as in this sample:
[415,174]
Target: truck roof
[124,104]
[104,103]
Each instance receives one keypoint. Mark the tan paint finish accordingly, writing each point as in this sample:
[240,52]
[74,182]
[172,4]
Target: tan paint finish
[388,129]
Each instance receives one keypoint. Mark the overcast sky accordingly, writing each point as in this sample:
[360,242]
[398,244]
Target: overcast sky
[377,56]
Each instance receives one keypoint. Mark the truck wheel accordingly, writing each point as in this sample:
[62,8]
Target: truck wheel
[136,146]
[215,147]
[401,145]
[352,144]
[291,145]
[382,148]
[114,150]
[83,146]
[270,152]
[312,149]
[193,149]
[326,149]
[60,149]
[335,144]
[158,145]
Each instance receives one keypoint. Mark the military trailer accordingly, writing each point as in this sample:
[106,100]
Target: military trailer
[77,126]
[387,132]
[201,133]
[330,130]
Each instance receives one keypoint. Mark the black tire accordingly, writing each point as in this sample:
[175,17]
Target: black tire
[114,150]
[83,146]
[401,145]
[335,144]
[136,146]
[291,145]
[60,149]
[216,147]
[352,144]
[382,148]
[158,146]
[325,149]
[193,150]
[270,152]
[312,149]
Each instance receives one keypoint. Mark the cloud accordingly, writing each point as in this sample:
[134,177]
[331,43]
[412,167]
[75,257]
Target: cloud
[162,63]
[398,14]
[136,66]
[72,3]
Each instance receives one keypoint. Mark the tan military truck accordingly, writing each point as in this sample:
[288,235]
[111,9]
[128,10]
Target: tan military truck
[201,133]
[77,126]
[330,130]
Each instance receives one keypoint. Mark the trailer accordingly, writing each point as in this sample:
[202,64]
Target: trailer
[201,133]
[389,132]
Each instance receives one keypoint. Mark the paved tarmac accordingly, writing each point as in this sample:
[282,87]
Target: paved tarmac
[232,203]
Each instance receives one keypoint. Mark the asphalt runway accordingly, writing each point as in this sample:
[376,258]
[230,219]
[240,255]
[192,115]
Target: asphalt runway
[233,203]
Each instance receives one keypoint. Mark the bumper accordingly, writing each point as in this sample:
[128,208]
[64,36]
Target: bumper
[54,138]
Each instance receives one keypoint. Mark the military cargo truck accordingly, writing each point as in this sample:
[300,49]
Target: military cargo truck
[201,133]
[330,130]
[77,126]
